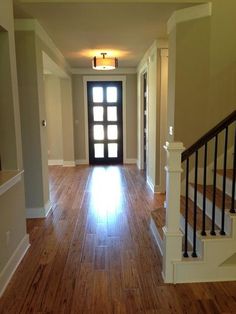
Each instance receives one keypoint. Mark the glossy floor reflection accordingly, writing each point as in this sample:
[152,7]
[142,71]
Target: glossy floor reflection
[95,254]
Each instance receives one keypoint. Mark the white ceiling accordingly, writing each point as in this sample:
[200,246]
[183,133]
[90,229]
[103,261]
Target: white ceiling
[81,30]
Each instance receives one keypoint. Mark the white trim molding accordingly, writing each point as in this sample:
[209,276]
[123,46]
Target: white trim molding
[130,161]
[81,162]
[11,182]
[150,184]
[13,262]
[101,78]
[55,162]
[68,163]
[188,14]
[39,212]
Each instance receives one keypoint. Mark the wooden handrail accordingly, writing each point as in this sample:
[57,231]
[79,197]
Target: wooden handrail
[209,135]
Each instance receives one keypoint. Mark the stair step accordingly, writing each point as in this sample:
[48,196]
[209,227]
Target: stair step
[229,181]
[219,195]
[229,173]
[159,215]
[191,215]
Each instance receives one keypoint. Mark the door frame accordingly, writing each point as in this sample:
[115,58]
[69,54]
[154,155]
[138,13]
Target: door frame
[101,78]
[140,122]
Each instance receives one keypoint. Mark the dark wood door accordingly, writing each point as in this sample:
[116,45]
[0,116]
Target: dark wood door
[105,122]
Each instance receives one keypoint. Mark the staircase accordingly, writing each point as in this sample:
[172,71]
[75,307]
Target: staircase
[196,232]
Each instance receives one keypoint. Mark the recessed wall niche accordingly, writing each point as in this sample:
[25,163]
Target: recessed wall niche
[7,121]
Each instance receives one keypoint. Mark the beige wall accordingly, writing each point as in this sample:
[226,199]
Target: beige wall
[191,79]
[67,121]
[30,118]
[79,116]
[7,121]
[12,204]
[204,77]
[131,116]
[59,112]
[54,117]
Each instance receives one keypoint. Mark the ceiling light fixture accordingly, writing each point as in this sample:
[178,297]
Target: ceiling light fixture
[104,63]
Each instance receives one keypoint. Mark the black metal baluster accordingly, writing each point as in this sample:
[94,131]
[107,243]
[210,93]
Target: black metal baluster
[194,254]
[186,211]
[214,188]
[203,233]
[222,231]
[232,210]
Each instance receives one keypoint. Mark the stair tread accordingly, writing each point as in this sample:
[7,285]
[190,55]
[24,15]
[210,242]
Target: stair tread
[159,215]
[191,215]
[219,195]
[229,173]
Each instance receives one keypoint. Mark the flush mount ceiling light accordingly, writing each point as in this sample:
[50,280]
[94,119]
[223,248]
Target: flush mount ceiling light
[104,63]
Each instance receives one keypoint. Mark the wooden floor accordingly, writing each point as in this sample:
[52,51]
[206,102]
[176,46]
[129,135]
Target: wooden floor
[95,253]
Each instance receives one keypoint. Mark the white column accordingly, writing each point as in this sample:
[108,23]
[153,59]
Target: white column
[171,230]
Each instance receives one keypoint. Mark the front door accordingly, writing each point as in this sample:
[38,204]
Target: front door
[105,122]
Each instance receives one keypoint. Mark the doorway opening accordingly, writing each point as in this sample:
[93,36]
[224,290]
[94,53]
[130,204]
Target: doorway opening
[105,122]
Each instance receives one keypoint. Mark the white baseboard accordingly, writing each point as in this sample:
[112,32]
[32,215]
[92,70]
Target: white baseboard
[55,162]
[68,163]
[39,212]
[138,164]
[150,184]
[81,162]
[154,188]
[13,262]
[130,161]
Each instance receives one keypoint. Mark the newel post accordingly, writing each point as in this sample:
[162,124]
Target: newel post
[172,248]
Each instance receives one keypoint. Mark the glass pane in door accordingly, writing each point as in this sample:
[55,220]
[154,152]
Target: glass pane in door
[111,94]
[112,132]
[98,132]
[111,113]
[112,150]
[98,113]
[99,150]
[97,94]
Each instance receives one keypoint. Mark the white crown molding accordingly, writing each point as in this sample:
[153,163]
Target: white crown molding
[88,71]
[187,14]
[33,25]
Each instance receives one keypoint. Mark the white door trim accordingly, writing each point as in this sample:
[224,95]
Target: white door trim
[140,122]
[100,78]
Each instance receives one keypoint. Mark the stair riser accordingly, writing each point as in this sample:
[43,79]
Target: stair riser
[218,211]
[199,243]
[228,190]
